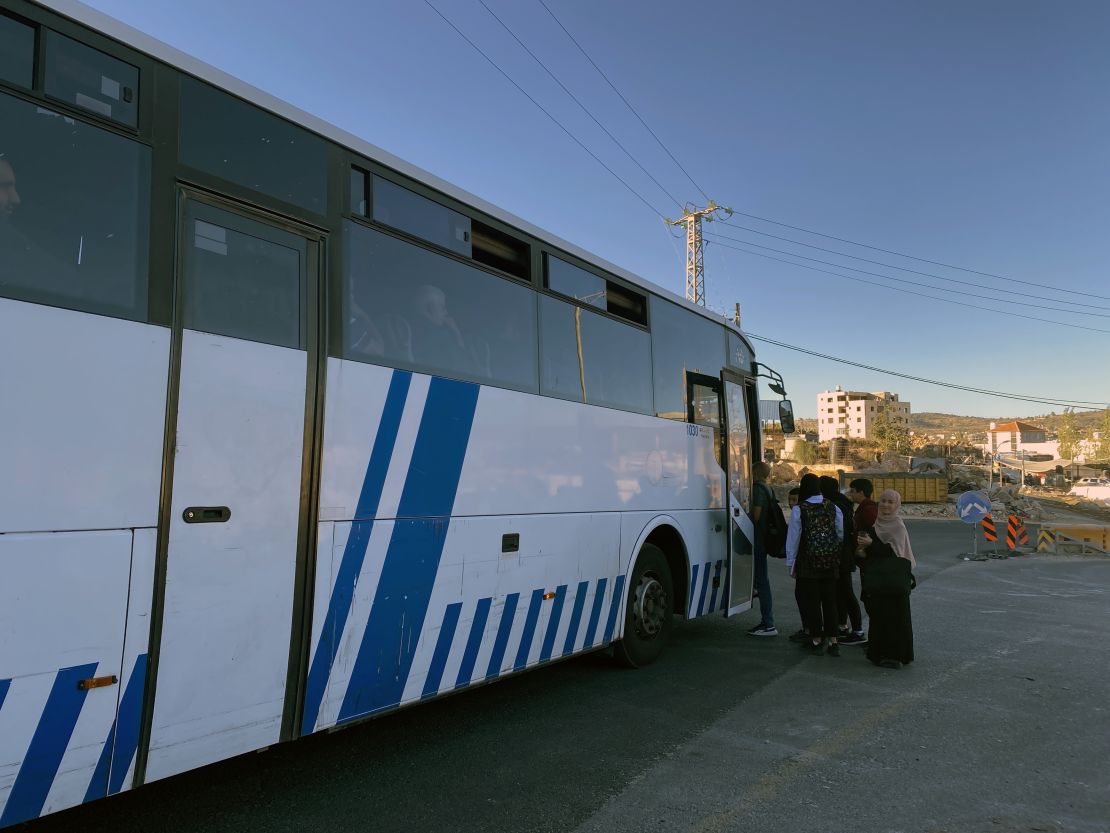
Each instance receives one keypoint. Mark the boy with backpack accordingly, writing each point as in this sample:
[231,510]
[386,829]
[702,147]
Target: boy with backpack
[813,549]
[770,539]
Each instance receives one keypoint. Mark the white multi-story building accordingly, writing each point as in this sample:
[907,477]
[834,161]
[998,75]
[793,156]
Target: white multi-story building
[851,413]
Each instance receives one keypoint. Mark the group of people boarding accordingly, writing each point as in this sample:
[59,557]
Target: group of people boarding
[829,535]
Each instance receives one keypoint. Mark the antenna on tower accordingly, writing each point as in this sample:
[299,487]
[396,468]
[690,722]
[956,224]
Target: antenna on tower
[695,257]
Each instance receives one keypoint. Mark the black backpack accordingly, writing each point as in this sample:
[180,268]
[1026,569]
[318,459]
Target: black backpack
[774,536]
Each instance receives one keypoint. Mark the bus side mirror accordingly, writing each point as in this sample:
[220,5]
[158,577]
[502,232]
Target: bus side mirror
[786,416]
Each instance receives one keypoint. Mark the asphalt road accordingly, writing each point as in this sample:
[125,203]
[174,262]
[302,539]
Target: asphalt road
[1000,725]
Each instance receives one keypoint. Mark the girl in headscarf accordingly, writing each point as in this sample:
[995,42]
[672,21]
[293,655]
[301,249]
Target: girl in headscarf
[890,636]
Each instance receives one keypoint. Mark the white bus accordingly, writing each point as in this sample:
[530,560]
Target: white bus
[293,434]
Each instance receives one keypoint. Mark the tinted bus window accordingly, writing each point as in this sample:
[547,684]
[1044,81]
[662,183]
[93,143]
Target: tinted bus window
[739,354]
[596,291]
[80,75]
[17,52]
[243,144]
[406,306]
[681,341]
[241,284]
[413,214]
[590,358]
[74,213]
[575,283]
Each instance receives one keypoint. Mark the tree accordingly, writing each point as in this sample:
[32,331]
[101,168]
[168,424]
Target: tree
[889,434]
[805,453]
[1068,435]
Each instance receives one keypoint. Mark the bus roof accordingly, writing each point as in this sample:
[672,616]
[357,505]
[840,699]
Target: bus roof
[140,41]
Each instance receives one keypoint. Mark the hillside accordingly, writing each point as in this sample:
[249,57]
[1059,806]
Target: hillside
[931,422]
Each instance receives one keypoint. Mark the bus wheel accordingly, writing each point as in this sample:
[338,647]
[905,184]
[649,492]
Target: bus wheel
[647,618]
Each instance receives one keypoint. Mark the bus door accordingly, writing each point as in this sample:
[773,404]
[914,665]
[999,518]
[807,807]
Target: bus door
[245,336]
[738,447]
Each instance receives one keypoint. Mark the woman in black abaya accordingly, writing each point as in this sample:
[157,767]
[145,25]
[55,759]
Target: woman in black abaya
[890,633]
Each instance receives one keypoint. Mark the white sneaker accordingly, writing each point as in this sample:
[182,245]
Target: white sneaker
[763,630]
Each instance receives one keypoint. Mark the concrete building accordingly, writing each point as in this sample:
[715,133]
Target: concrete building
[1019,439]
[850,413]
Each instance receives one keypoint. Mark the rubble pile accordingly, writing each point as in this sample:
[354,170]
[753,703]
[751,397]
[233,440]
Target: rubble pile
[783,473]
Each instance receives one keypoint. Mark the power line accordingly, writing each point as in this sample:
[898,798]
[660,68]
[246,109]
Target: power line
[1062,403]
[900,268]
[585,109]
[625,100]
[922,259]
[904,280]
[558,124]
[911,292]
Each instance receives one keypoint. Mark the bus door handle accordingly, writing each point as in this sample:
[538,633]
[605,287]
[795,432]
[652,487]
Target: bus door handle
[206,515]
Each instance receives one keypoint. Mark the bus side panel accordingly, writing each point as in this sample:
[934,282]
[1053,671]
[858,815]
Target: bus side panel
[525,454]
[136,648]
[507,611]
[489,613]
[63,604]
[81,427]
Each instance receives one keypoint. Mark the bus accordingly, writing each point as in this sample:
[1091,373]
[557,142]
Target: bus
[293,434]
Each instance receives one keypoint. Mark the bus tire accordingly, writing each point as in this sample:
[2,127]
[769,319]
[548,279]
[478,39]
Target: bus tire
[648,610]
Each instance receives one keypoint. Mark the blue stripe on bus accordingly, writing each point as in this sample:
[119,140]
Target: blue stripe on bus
[48,745]
[553,623]
[618,590]
[384,659]
[508,614]
[529,630]
[716,586]
[595,614]
[354,553]
[128,723]
[443,649]
[474,643]
[123,738]
[705,586]
[693,589]
[576,617]
[4,686]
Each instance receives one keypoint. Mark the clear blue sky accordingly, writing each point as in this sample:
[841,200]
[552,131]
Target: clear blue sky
[973,133]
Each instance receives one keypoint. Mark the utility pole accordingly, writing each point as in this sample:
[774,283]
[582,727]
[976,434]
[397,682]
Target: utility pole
[695,259]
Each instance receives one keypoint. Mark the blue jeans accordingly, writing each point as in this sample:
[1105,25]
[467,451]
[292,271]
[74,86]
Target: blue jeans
[762,585]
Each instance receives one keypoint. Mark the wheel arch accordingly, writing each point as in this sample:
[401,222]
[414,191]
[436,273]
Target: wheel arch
[664,532]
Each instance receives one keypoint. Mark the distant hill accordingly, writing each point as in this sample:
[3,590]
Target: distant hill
[932,422]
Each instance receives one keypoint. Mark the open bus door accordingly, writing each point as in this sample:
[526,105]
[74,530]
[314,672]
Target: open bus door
[738,468]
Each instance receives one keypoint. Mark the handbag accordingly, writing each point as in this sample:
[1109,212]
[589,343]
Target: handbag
[886,574]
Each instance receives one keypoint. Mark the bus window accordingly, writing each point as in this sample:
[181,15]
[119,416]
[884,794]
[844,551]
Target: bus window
[705,404]
[17,52]
[590,358]
[739,354]
[230,139]
[413,214]
[74,213]
[575,283]
[594,290]
[242,285]
[406,306]
[80,75]
[682,342]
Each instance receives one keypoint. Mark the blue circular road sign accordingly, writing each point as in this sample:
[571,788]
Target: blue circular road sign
[972,507]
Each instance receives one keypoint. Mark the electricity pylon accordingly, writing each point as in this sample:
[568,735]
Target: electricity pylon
[695,259]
